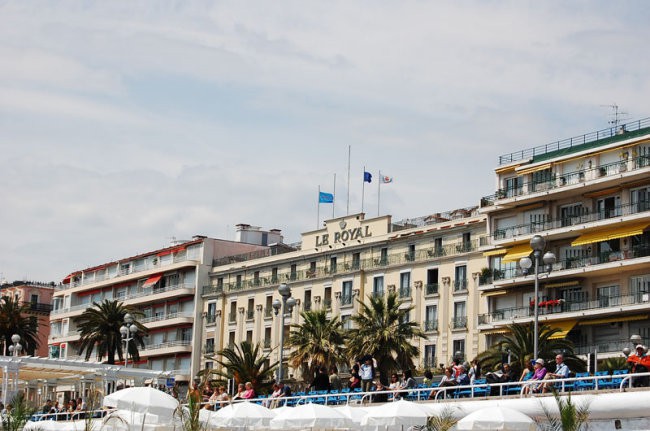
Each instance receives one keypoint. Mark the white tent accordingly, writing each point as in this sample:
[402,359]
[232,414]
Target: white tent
[497,418]
[245,414]
[314,416]
[354,413]
[143,400]
[395,415]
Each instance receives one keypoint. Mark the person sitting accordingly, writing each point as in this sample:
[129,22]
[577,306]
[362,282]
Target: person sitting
[249,393]
[381,397]
[212,401]
[527,372]
[561,372]
[355,379]
[241,389]
[639,362]
[503,376]
[408,382]
[222,397]
[428,378]
[538,375]
[461,380]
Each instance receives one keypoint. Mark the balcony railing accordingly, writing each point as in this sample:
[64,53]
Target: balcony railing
[430,325]
[306,305]
[559,181]
[405,292]
[346,299]
[395,259]
[168,344]
[268,312]
[250,314]
[600,137]
[641,250]
[208,349]
[460,284]
[210,319]
[165,317]
[459,322]
[327,304]
[267,343]
[431,289]
[562,306]
[232,317]
[549,224]
[38,307]
[377,294]
[138,294]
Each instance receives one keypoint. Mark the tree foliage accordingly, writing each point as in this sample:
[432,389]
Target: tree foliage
[15,318]
[245,363]
[99,329]
[568,417]
[382,330]
[519,344]
[318,341]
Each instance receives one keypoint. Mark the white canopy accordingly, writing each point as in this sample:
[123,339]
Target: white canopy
[397,414]
[314,416]
[497,418]
[143,400]
[244,414]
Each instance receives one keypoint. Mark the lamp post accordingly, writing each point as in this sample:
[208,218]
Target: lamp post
[286,305]
[16,347]
[128,331]
[537,243]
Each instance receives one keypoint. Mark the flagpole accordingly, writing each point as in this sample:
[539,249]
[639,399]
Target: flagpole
[363,188]
[334,193]
[378,191]
[318,208]
[347,210]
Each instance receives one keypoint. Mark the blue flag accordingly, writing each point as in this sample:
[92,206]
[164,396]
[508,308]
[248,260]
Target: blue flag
[367,177]
[325,198]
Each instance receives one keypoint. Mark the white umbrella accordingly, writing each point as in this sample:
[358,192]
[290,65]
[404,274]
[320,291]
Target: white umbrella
[314,416]
[399,413]
[143,400]
[497,418]
[354,413]
[245,414]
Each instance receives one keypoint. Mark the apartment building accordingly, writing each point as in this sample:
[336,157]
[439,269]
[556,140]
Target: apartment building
[164,285]
[38,296]
[589,198]
[432,262]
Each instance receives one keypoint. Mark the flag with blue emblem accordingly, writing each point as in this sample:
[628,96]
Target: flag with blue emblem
[325,198]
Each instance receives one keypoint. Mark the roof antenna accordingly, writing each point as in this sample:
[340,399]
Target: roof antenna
[616,116]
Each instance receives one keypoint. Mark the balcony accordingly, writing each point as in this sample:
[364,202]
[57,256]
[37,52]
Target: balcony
[460,285]
[232,317]
[268,312]
[327,304]
[210,319]
[430,325]
[208,349]
[267,343]
[212,290]
[38,307]
[346,300]
[405,292]
[558,223]
[169,316]
[250,314]
[377,294]
[459,322]
[571,264]
[566,180]
[431,289]
[306,305]
[167,347]
[557,307]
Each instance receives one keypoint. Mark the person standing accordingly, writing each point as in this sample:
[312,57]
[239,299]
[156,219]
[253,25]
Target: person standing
[335,380]
[366,372]
[321,381]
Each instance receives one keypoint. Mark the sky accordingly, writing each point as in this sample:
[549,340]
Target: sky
[125,125]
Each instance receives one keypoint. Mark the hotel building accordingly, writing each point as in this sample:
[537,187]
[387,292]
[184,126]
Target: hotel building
[432,262]
[164,285]
[589,198]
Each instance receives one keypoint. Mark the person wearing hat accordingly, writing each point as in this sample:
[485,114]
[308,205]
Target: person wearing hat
[538,375]
[639,363]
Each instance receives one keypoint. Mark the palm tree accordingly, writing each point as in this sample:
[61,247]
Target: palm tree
[99,327]
[519,345]
[318,341]
[382,330]
[569,416]
[15,318]
[246,363]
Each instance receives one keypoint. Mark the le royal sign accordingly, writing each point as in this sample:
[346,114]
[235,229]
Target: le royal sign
[344,234]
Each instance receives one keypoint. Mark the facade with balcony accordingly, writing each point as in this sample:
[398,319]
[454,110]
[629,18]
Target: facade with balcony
[432,263]
[589,198]
[38,297]
[162,284]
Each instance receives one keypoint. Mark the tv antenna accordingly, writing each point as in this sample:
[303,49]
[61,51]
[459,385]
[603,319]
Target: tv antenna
[617,116]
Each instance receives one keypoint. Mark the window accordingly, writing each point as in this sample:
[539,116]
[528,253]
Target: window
[293,271]
[250,309]
[307,301]
[572,214]
[238,281]
[460,316]
[459,349]
[460,277]
[256,278]
[437,247]
[232,317]
[346,322]
[356,261]
[54,352]
[267,338]
[249,337]
[405,284]
[333,264]
[431,318]
[220,283]
[231,339]
[640,288]
[609,207]
[312,269]
[430,356]
[378,286]
[212,312]
[432,281]
[406,316]
[209,345]
[640,199]
[410,254]
[542,179]
[346,293]
[513,186]
[608,296]
[327,298]
[274,275]
[383,256]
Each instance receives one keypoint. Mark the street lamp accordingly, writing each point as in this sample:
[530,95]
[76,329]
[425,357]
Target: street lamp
[537,243]
[16,347]
[128,331]
[286,305]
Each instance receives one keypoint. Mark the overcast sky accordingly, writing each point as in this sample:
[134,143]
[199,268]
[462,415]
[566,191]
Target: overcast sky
[126,124]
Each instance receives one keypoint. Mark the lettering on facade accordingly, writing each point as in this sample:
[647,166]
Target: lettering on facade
[344,235]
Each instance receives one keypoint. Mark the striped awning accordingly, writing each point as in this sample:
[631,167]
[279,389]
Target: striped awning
[564,328]
[532,169]
[562,284]
[497,252]
[517,252]
[152,280]
[606,235]
[613,319]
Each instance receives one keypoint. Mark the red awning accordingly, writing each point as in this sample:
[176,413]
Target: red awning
[152,280]
[171,250]
[68,277]
[90,292]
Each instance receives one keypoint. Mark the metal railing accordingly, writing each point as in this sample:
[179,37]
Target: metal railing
[430,325]
[608,135]
[459,322]
[431,289]
[557,181]
[167,344]
[167,316]
[405,292]
[371,263]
